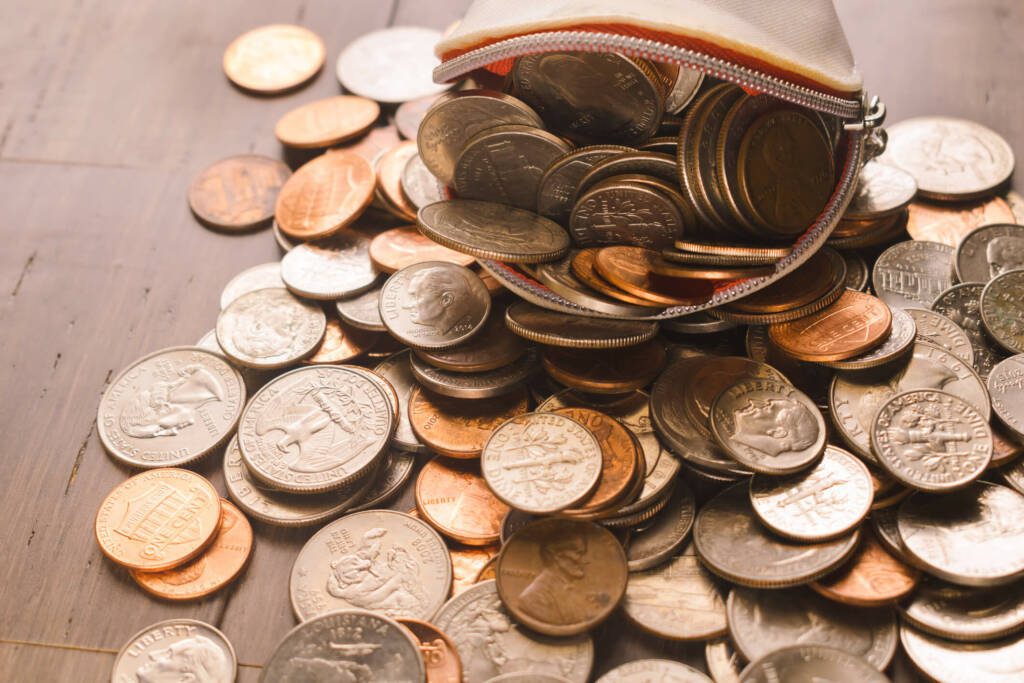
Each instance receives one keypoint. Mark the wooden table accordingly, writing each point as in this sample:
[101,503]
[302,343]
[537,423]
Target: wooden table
[107,111]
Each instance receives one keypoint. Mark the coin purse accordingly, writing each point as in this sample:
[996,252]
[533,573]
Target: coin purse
[795,51]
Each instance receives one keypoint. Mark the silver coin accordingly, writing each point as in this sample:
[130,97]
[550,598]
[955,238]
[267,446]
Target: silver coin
[284,242]
[176,649]
[685,85]
[348,644]
[315,429]
[881,191]
[558,186]
[270,329]
[573,331]
[1002,310]
[409,115]
[362,311]
[490,643]
[989,251]
[541,462]
[434,304]
[614,212]
[396,370]
[811,663]
[1006,387]
[911,274]
[884,523]
[966,614]
[724,663]
[660,166]
[902,335]
[944,661]
[249,280]
[697,323]
[419,185]
[1016,202]
[334,268]
[392,65]
[761,622]
[665,534]
[645,670]
[170,408]
[513,521]
[962,305]
[654,497]
[378,560]
[857,273]
[970,537]
[824,502]
[392,474]
[1013,475]
[487,384]
[941,331]
[951,159]
[558,276]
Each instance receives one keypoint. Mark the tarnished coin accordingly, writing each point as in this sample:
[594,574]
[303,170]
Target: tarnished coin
[811,663]
[824,502]
[494,231]
[620,212]
[901,339]
[971,537]
[761,622]
[854,324]
[1000,661]
[1002,310]
[911,274]
[931,440]
[951,159]
[857,273]
[334,268]
[941,331]
[474,385]
[966,614]
[490,643]
[632,269]
[419,186]
[362,311]
[811,282]
[989,251]
[606,371]
[391,65]
[1006,387]
[326,122]
[949,223]
[573,331]
[263,276]
[269,329]
[458,427]
[238,193]
[733,544]
[872,577]
[346,643]
[324,195]
[1016,203]
[724,663]
[275,58]
[434,304]
[768,426]
[397,248]
[643,670]
[455,500]
[962,305]
[378,560]
[561,577]
[663,536]
[170,408]
[158,519]
[678,600]
[558,187]
[881,191]
[492,348]
[440,657]
[176,647]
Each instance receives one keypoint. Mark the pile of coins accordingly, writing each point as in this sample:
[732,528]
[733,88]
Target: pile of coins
[803,479]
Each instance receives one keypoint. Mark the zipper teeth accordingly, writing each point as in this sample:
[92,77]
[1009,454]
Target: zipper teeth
[584,41]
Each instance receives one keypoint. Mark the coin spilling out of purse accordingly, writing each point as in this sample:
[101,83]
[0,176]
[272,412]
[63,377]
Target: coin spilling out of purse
[489,308]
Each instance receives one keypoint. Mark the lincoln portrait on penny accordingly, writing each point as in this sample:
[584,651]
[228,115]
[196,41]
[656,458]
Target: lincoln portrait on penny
[554,595]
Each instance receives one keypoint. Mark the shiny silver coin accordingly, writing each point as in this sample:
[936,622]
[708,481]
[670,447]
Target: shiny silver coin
[962,305]
[724,663]
[1002,310]
[346,644]
[397,371]
[971,537]
[1006,387]
[944,661]
[558,276]
[966,614]
[362,311]
[270,329]
[249,280]
[664,535]
[663,670]
[558,186]
[378,560]
[419,185]
[284,242]
[940,330]
[573,331]
[911,274]
[881,191]
[392,65]
[811,663]
[434,304]
[684,86]
[335,268]
[392,474]
[487,384]
[184,648]
[857,273]
[989,251]
[654,221]
[902,335]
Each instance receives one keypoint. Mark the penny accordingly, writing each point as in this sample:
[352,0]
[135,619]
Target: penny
[931,440]
[409,115]
[733,544]
[351,642]
[269,329]
[458,427]
[642,670]
[396,370]
[951,159]
[970,537]
[653,544]
[419,186]
[631,269]
[183,647]
[397,248]
[273,59]
[1006,447]
[561,577]
[854,324]
[724,663]
[249,280]
[158,520]
[962,305]
[439,655]
[341,344]
[334,268]
[824,502]
[490,643]
[808,283]
[216,567]
[989,251]
[326,122]
[899,342]
[761,622]
[455,500]
[237,193]
[325,195]
[1001,310]
[391,65]
[391,476]
[558,187]
[966,614]
[492,348]
[573,331]
[911,274]
[872,577]
[468,562]
[362,311]
[605,371]
[374,143]
[615,212]
[881,191]
[582,267]
[950,223]
[941,331]
[170,408]
[811,663]
[949,662]
[476,385]
[1006,387]
[389,169]
[493,231]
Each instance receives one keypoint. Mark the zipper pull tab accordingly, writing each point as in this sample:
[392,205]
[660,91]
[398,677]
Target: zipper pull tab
[870,124]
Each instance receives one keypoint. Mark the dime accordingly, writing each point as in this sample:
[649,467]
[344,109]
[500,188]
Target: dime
[237,193]
[273,59]
[324,195]
[492,348]
[854,324]
[397,371]
[439,654]
[249,280]
[475,385]
[971,537]
[912,274]
[185,647]
[348,643]
[269,329]
[334,268]
[881,191]
[489,642]
[638,164]
[951,159]
[614,212]
[949,662]
[761,622]
[541,462]
[768,426]
[458,427]
[158,519]
[327,122]
[733,544]
[573,331]
[170,408]
[558,187]
[455,500]
[390,478]
[941,331]
[653,544]
[409,115]
[631,269]
[900,340]
[582,267]
[315,429]
[1006,387]
[493,231]
[362,311]
[931,440]
[827,501]
[962,305]
[811,663]
[392,65]
[642,670]
[561,577]
[872,577]
[724,663]
[989,251]
[404,246]
[1001,310]
[966,614]
[950,223]
[605,371]
[419,186]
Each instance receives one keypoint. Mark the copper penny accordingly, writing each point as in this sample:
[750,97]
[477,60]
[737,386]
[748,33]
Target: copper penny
[397,248]
[237,193]
[374,143]
[459,427]
[273,59]
[856,323]
[619,458]
[327,122]
[468,562]
[631,269]
[342,343]
[583,268]
[562,577]
[389,178]
[440,657]
[158,519]
[215,568]
[809,282]
[605,371]
[1005,448]
[491,348]
[453,498]
[872,577]
[325,195]
[950,223]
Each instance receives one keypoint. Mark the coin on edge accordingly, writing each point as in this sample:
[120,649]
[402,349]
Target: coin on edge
[664,535]
[183,643]
[270,329]
[273,59]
